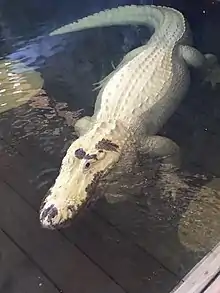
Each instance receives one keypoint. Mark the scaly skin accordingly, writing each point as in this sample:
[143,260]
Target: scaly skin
[134,102]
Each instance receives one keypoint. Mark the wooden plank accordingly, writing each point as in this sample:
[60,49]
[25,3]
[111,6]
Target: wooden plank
[21,181]
[214,287]
[151,221]
[29,183]
[62,261]
[132,268]
[17,273]
[199,277]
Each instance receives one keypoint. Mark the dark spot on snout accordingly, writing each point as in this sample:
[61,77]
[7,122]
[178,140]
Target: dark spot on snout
[106,144]
[50,212]
[80,153]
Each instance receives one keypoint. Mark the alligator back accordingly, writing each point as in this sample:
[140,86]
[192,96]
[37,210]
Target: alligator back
[145,92]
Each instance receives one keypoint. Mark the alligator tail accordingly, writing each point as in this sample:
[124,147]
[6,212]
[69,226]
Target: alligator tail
[148,15]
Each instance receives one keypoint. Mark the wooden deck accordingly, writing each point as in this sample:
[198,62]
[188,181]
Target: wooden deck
[130,247]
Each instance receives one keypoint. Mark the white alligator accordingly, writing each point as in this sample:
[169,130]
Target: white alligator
[134,102]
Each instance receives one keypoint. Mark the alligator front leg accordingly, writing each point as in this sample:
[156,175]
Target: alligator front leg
[83,125]
[168,174]
[207,63]
[162,148]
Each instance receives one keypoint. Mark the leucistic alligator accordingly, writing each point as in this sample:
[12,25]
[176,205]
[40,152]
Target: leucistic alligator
[134,102]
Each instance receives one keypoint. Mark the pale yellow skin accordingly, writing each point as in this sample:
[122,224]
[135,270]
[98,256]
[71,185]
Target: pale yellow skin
[70,186]
[134,102]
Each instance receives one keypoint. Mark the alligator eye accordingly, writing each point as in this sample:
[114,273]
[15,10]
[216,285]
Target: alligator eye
[87,165]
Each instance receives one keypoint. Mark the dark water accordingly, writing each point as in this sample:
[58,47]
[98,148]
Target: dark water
[188,223]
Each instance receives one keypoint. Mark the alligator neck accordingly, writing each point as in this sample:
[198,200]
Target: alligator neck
[111,130]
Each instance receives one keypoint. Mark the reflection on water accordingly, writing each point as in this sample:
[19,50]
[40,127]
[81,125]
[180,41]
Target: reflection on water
[172,214]
[16,88]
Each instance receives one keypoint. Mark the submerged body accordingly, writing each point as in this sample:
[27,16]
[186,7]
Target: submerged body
[134,102]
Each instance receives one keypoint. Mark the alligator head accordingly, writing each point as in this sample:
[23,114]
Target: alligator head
[86,161]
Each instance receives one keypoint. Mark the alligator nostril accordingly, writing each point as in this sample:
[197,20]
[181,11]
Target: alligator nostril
[50,213]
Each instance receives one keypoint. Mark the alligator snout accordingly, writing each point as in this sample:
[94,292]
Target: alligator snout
[52,217]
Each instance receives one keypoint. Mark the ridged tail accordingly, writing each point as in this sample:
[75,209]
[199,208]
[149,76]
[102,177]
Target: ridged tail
[148,15]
